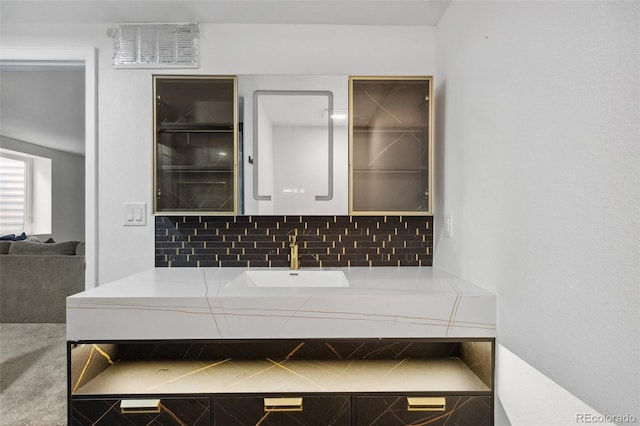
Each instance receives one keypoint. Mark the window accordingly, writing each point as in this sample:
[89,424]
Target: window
[14,201]
[25,193]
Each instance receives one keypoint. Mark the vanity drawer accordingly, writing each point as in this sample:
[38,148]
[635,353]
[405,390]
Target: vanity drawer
[141,411]
[433,410]
[282,411]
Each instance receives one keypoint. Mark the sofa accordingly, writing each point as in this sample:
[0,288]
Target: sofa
[36,278]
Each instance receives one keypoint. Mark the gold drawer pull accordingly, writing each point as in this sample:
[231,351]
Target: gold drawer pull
[282,404]
[426,404]
[140,406]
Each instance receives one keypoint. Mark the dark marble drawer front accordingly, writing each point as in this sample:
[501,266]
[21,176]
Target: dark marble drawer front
[178,411]
[311,410]
[396,411]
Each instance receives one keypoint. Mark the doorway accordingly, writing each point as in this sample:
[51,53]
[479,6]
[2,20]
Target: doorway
[84,60]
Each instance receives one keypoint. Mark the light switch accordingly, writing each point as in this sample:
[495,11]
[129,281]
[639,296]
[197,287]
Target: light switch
[135,214]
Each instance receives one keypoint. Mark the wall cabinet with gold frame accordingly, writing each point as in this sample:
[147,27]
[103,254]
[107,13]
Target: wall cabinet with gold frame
[195,144]
[391,145]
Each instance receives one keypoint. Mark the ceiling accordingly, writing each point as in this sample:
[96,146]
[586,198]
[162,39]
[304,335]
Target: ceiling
[328,12]
[43,105]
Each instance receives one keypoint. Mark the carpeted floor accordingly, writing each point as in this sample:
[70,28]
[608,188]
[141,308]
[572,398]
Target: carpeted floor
[33,371]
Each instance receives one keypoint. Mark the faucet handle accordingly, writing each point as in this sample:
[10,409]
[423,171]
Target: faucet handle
[292,239]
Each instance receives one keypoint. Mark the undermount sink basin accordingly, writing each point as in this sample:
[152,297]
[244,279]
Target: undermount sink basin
[292,278]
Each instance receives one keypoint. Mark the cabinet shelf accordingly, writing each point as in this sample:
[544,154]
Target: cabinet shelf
[263,376]
[389,129]
[195,128]
[420,171]
[195,169]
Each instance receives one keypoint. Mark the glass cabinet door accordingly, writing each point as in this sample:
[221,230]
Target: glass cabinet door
[195,151]
[391,148]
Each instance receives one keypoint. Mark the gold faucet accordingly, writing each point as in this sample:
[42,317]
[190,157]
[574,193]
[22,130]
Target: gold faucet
[294,259]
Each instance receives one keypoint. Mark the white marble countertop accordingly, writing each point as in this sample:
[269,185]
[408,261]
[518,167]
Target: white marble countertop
[203,303]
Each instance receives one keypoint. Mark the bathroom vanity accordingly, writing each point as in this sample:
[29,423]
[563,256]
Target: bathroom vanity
[236,346]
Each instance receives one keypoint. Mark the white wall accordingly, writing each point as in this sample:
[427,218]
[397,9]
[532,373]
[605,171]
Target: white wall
[67,189]
[538,153]
[125,99]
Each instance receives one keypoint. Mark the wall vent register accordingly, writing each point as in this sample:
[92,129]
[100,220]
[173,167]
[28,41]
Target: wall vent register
[155,45]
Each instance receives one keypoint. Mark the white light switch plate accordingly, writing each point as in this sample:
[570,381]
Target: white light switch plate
[135,214]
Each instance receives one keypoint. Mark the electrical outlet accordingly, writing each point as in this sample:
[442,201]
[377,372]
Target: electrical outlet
[448,225]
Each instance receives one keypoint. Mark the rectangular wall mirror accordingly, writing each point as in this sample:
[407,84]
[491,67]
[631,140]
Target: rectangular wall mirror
[294,144]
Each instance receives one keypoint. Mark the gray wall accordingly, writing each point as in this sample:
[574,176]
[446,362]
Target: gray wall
[537,140]
[67,186]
